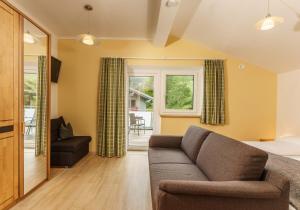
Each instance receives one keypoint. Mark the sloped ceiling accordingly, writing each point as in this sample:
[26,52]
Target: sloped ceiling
[229,26]
[226,25]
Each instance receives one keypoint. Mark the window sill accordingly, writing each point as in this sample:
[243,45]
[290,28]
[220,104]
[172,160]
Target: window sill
[177,115]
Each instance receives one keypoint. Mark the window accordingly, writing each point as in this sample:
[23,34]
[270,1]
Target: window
[133,104]
[178,91]
[182,92]
[30,88]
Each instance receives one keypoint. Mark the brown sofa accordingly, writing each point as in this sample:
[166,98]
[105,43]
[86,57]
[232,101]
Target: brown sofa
[206,171]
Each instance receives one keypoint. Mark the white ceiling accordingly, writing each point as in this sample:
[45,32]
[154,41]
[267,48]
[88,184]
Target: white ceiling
[32,29]
[226,25]
[110,18]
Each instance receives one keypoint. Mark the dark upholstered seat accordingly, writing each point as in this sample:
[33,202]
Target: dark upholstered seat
[218,173]
[66,152]
[177,172]
[164,155]
[72,144]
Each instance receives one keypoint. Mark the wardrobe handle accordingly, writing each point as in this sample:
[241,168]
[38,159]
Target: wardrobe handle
[23,128]
[6,129]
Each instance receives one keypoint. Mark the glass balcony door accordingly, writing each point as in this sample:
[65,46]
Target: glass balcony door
[142,109]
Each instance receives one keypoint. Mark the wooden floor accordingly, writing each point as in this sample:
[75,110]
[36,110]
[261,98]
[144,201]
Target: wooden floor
[95,183]
[35,169]
[141,140]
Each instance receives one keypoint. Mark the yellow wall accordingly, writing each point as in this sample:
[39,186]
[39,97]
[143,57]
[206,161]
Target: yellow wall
[250,93]
[32,51]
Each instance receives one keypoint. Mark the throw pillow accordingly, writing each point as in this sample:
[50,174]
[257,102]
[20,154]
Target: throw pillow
[66,131]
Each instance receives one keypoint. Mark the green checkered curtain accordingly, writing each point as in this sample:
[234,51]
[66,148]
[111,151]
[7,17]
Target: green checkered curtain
[213,112]
[111,108]
[41,109]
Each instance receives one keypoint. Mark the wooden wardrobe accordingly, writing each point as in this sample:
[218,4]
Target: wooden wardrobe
[11,105]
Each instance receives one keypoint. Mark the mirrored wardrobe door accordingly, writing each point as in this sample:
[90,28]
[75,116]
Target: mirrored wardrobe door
[35,105]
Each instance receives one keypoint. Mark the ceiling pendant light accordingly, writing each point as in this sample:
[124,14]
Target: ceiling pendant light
[87,38]
[269,21]
[29,38]
[172,3]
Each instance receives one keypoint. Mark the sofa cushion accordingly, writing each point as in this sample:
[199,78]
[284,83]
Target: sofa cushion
[224,159]
[160,172]
[55,125]
[192,141]
[72,144]
[164,155]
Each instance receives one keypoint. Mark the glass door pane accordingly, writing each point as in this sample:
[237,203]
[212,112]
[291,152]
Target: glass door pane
[140,110]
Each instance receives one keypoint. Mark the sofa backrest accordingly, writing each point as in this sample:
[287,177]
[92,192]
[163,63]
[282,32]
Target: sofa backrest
[192,141]
[225,159]
[55,125]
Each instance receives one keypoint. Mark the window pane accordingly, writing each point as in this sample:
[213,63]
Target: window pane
[180,92]
[141,93]
[30,85]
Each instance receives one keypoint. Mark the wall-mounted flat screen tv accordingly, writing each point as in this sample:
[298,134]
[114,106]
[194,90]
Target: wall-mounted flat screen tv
[55,69]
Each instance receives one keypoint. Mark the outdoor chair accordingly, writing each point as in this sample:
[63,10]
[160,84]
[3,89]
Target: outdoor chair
[29,124]
[136,123]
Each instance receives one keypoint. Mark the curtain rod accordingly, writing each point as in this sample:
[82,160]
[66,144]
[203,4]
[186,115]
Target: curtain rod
[166,58]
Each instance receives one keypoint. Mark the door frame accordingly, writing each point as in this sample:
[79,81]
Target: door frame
[132,70]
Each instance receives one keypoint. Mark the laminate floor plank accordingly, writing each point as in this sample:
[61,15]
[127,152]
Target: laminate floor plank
[95,183]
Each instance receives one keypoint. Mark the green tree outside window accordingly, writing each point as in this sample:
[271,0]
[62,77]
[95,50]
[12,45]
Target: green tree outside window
[179,92]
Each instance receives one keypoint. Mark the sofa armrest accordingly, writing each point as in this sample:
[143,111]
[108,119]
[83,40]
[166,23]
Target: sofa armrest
[165,141]
[233,189]
[276,179]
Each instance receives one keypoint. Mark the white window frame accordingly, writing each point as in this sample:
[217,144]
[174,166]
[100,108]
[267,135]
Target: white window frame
[198,91]
[160,73]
